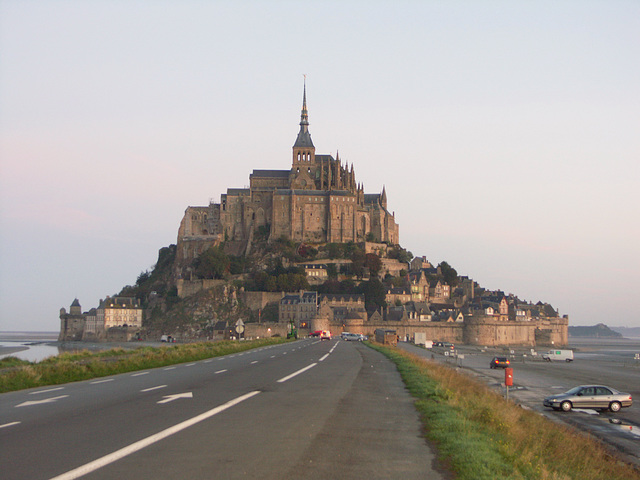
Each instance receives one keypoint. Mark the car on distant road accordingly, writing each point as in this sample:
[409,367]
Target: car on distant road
[317,333]
[499,362]
[325,335]
[589,396]
[351,337]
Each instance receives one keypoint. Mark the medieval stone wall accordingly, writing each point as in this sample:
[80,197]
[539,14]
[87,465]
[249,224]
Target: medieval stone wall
[186,288]
[259,300]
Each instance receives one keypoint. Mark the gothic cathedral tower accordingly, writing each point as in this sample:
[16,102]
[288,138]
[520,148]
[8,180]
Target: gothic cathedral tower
[304,168]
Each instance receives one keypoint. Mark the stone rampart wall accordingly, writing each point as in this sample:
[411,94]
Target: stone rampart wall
[258,300]
[187,288]
[262,330]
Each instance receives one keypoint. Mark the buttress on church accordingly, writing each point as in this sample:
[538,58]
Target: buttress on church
[316,201]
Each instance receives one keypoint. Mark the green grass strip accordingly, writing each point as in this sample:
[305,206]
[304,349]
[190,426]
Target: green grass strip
[479,435]
[16,374]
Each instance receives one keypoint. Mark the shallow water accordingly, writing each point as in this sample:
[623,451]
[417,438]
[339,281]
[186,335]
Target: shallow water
[30,351]
[30,346]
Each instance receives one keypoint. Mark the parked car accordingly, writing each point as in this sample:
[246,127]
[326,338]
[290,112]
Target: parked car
[351,337]
[566,355]
[363,338]
[317,333]
[499,362]
[325,335]
[589,396]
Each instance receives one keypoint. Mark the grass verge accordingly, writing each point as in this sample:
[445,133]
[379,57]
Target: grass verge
[16,374]
[479,435]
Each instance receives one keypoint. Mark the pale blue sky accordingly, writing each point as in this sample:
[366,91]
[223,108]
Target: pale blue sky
[507,135]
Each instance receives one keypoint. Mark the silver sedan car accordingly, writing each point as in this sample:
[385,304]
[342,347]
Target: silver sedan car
[589,396]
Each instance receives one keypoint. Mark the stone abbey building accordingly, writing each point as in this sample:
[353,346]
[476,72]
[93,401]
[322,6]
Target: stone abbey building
[317,200]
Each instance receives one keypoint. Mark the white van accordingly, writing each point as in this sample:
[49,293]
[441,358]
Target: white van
[566,355]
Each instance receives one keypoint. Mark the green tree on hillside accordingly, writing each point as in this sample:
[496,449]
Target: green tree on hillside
[212,263]
[374,294]
[449,274]
[373,263]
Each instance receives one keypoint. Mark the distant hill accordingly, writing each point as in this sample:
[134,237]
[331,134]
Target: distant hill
[597,331]
[628,332]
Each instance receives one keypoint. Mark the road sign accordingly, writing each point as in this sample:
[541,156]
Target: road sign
[239,326]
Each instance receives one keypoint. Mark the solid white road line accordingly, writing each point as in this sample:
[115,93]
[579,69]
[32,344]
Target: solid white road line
[46,391]
[145,442]
[153,388]
[10,424]
[302,370]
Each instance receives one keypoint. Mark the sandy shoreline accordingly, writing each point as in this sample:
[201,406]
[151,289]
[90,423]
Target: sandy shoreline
[10,350]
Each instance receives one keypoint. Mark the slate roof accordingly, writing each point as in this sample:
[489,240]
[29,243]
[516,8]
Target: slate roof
[238,191]
[371,198]
[271,173]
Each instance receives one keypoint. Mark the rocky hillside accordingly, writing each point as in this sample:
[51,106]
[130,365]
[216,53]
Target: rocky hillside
[596,331]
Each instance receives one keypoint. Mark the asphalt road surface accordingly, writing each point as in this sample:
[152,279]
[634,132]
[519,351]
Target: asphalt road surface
[307,409]
[603,362]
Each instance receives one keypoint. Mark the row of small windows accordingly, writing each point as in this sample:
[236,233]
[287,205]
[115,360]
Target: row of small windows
[304,156]
[337,199]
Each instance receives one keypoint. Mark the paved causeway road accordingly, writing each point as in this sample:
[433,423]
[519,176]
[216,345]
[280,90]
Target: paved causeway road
[307,409]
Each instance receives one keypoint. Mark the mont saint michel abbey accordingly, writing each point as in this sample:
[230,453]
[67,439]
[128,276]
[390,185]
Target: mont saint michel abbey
[317,200]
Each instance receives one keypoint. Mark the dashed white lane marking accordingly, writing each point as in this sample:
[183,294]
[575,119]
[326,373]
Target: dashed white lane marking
[324,357]
[153,388]
[141,373]
[208,361]
[220,371]
[255,361]
[170,368]
[46,391]
[189,364]
[38,402]
[145,442]
[10,424]
[103,381]
[302,370]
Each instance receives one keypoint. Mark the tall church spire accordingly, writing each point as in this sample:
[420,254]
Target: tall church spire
[304,137]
